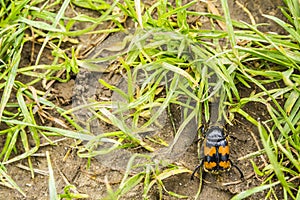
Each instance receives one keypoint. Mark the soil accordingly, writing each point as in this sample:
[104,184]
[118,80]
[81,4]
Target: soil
[71,169]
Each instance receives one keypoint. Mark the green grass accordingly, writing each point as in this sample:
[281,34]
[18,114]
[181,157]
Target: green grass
[189,54]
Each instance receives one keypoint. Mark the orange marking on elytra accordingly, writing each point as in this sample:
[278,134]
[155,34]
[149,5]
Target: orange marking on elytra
[209,165]
[224,150]
[209,151]
[225,164]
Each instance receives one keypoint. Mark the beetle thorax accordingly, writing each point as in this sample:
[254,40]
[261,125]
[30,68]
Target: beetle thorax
[215,134]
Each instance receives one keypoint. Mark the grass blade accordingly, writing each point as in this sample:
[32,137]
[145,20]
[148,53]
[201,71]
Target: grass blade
[11,182]
[273,158]
[51,181]
[254,190]
[11,77]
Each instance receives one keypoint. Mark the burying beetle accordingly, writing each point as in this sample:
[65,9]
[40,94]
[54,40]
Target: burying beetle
[216,153]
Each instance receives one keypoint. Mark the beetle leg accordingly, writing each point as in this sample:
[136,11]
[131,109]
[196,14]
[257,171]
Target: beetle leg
[201,138]
[240,171]
[196,169]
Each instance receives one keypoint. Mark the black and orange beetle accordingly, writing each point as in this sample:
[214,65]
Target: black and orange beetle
[216,153]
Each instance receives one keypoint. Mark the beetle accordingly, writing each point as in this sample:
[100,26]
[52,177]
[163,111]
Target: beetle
[216,153]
